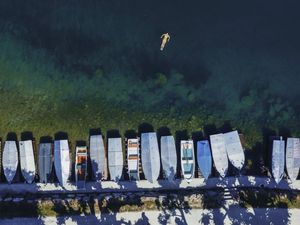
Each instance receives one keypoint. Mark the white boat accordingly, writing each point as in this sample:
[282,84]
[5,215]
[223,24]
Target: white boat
[62,161]
[278,159]
[168,156]
[27,160]
[150,156]
[187,159]
[234,149]
[45,162]
[219,153]
[80,166]
[10,160]
[293,157]
[115,158]
[98,157]
[133,157]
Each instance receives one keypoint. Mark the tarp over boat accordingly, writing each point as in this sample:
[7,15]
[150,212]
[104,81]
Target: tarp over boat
[45,162]
[234,149]
[293,157]
[133,157]
[27,160]
[204,158]
[98,157]
[278,159]
[10,160]
[62,161]
[150,156]
[168,156]
[115,158]
[219,153]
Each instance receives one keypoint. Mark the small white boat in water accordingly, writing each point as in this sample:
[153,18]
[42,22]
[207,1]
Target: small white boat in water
[62,161]
[133,157]
[115,158]
[45,162]
[278,159]
[27,160]
[81,166]
[219,153]
[234,149]
[98,157]
[10,160]
[187,159]
[293,157]
[150,156]
[168,156]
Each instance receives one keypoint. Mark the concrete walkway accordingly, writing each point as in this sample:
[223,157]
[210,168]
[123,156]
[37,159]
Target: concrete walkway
[227,215]
[144,185]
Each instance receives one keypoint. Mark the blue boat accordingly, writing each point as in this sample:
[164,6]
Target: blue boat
[204,158]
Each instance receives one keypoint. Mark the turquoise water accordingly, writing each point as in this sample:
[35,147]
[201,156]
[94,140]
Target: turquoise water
[237,60]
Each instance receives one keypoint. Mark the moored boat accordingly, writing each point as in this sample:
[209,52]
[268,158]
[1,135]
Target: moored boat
[234,149]
[98,157]
[115,158]
[293,157]
[150,156]
[219,153]
[81,166]
[45,162]
[133,157]
[27,160]
[187,159]
[278,159]
[204,158]
[62,161]
[10,160]
[168,156]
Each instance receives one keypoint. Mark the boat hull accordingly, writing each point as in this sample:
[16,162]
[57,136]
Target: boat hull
[27,160]
[204,158]
[62,161]
[168,156]
[45,162]
[10,160]
[115,158]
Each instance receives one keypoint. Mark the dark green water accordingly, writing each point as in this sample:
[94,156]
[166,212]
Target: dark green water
[237,60]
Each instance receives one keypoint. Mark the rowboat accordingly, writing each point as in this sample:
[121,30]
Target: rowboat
[187,159]
[168,156]
[81,166]
[27,160]
[204,158]
[278,159]
[219,153]
[293,157]
[98,157]
[10,160]
[62,161]
[150,156]
[115,158]
[45,162]
[133,158]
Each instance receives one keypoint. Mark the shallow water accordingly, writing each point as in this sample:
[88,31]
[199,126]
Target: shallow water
[237,60]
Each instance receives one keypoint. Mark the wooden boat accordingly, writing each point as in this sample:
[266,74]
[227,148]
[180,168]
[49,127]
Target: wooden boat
[187,159]
[219,153]
[278,159]
[62,161]
[293,157]
[98,157]
[204,158]
[234,149]
[10,160]
[45,162]
[81,166]
[133,157]
[150,156]
[168,156]
[115,158]
[27,160]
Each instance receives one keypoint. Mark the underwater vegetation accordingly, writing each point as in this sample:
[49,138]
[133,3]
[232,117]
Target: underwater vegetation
[72,66]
